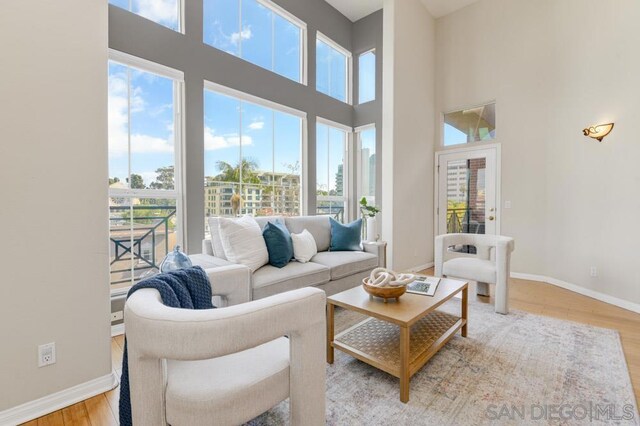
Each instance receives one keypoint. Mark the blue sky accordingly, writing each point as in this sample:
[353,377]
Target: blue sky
[270,138]
[151,125]
[453,136]
[164,12]
[367,77]
[264,38]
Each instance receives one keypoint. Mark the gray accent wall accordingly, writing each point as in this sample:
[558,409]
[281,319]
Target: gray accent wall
[187,52]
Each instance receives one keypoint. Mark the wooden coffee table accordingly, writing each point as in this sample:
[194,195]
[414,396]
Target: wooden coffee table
[399,337]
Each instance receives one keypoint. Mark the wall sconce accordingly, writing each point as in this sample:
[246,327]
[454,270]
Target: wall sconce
[598,132]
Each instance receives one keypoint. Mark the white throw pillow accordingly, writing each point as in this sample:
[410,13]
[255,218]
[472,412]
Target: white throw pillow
[216,240]
[304,246]
[243,242]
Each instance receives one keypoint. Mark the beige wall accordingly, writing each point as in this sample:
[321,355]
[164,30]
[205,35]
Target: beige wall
[555,67]
[53,169]
[408,133]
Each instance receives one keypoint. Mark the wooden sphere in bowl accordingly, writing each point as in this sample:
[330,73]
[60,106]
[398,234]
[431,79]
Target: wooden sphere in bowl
[384,292]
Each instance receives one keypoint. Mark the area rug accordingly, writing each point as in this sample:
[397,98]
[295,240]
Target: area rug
[519,368]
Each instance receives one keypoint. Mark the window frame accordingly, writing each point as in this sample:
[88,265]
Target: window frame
[178,193]
[349,67]
[285,14]
[179,11]
[275,8]
[246,97]
[347,169]
[375,77]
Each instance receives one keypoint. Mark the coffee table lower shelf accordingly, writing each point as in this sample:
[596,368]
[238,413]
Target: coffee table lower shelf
[378,342]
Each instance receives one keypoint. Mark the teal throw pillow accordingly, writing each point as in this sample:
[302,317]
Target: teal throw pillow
[279,244]
[345,237]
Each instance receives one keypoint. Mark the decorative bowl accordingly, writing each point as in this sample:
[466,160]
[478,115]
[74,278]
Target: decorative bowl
[384,292]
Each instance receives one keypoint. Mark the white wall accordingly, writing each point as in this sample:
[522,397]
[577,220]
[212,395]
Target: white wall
[54,214]
[408,133]
[555,67]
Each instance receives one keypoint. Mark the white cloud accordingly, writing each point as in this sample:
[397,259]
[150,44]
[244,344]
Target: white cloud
[245,34]
[256,125]
[213,142]
[118,122]
[161,11]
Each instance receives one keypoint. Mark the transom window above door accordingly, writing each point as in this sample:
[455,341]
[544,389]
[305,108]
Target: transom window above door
[476,124]
[258,31]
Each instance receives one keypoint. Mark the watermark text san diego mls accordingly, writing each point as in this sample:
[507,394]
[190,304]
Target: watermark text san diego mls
[588,411]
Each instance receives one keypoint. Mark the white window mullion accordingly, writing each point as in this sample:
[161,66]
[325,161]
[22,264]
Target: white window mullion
[240,28]
[130,199]
[241,183]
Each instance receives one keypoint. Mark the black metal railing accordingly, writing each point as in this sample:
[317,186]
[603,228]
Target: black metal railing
[130,230]
[461,220]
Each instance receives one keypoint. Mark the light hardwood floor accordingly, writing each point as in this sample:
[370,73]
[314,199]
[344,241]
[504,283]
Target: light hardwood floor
[530,296]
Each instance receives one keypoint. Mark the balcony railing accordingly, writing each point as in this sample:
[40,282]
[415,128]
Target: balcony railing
[460,220]
[140,238]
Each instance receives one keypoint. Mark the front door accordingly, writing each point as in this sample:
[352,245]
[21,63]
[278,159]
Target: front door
[467,182]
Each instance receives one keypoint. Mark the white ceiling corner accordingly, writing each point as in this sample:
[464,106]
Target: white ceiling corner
[440,8]
[358,9]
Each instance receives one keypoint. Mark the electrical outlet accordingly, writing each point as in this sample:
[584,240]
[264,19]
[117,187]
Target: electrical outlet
[47,354]
[593,271]
[116,316]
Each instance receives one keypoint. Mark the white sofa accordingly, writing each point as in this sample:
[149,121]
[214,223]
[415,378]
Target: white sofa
[332,272]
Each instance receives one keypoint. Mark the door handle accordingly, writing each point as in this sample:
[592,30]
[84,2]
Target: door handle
[491,217]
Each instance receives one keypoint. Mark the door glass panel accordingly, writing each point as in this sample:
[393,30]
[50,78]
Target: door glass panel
[466,189]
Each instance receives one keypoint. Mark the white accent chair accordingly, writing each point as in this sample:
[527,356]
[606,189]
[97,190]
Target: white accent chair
[226,366]
[490,264]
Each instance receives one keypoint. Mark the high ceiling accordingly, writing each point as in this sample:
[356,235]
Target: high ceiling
[357,9]
[439,8]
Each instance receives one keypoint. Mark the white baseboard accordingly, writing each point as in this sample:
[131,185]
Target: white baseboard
[421,267]
[117,329]
[624,304]
[64,398]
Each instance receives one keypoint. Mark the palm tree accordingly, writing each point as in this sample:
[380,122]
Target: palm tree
[246,168]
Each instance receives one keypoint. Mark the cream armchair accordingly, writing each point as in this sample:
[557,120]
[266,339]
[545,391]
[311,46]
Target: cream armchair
[226,366]
[490,264]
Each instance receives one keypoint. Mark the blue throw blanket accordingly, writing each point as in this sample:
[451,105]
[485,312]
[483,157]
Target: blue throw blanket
[186,288]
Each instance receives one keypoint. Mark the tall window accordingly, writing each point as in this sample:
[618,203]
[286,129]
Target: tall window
[331,170]
[257,31]
[366,137]
[333,69]
[144,174]
[252,155]
[163,12]
[367,77]
[476,124]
